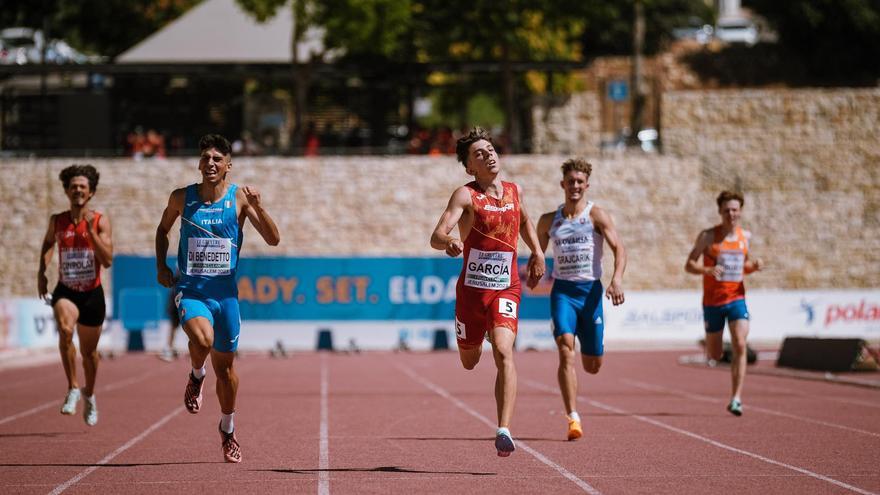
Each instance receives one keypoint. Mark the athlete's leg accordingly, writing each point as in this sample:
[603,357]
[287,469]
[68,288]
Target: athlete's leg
[201,339]
[227,379]
[505,381]
[88,348]
[469,355]
[66,314]
[566,374]
[591,363]
[713,321]
[739,331]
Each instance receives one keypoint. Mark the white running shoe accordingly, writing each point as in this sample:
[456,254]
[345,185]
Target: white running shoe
[69,406]
[90,411]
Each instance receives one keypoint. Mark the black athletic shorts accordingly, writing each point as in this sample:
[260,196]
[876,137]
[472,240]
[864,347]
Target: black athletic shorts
[91,305]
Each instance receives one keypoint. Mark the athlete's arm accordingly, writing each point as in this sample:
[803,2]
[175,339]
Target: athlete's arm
[440,238]
[692,264]
[751,264]
[252,207]
[102,240]
[537,265]
[45,258]
[543,228]
[605,225]
[169,216]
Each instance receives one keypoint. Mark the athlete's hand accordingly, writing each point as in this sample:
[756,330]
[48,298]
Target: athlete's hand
[615,292]
[454,247]
[42,286]
[758,264]
[252,195]
[716,271]
[89,218]
[164,275]
[536,268]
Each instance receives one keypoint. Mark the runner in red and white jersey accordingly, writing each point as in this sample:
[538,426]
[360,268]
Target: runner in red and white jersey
[84,246]
[726,260]
[490,216]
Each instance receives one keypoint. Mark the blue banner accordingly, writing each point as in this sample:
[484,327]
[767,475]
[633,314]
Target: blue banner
[330,289]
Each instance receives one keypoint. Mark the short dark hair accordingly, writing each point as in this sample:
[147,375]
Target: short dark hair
[578,165]
[87,171]
[726,196]
[463,145]
[215,141]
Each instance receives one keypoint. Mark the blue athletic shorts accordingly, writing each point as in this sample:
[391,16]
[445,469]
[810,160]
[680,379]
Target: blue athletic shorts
[223,313]
[576,307]
[715,316]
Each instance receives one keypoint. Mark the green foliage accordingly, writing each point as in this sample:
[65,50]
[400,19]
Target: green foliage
[835,40]
[104,27]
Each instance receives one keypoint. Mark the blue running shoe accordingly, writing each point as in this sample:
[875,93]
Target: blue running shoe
[735,407]
[504,442]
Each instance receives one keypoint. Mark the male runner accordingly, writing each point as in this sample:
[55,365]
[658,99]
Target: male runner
[490,215]
[84,246]
[726,259]
[211,232]
[578,229]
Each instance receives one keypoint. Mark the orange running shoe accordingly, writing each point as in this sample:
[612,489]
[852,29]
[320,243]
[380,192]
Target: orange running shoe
[230,447]
[192,396]
[574,429]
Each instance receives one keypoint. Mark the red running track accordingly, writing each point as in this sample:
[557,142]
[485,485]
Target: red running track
[419,423]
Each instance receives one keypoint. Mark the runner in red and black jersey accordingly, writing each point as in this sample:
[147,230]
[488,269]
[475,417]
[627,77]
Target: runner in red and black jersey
[84,246]
[490,216]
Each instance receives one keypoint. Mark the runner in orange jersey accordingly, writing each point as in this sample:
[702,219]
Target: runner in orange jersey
[726,259]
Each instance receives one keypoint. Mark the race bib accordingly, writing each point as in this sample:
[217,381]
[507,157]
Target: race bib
[77,266]
[733,263]
[575,263]
[488,269]
[209,257]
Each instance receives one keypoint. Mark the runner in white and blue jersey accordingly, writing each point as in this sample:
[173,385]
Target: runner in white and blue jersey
[577,230]
[212,216]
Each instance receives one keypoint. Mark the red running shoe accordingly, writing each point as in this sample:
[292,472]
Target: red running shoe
[192,396]
[230,447]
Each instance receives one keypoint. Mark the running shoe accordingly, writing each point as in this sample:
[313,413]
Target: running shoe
[230,447]
[90,411]
[504,444]
[574,429]
[69,406]
[167,355]
[192,397]
[735,407]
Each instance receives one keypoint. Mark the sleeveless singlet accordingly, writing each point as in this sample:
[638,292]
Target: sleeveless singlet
[730,254]
[490,247]
[77,267]
[577,247]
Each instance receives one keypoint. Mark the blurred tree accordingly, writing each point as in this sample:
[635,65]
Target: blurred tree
[102,27]
[836,40]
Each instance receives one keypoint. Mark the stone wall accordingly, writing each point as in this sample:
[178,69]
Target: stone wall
[808,162]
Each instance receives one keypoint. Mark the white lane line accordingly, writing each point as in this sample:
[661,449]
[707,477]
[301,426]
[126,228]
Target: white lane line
[106,388]
[109,457]
[583,485]
[788,391]
[324,444]
[609,408]
[704,398]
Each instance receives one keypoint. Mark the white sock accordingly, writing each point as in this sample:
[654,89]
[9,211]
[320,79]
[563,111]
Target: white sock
[200,373]
[501,430]
[575,416]
[226,422]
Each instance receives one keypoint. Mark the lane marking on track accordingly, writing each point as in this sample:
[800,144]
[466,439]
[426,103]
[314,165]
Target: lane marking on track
[324,443]
[704,398]
[786,391]
[105,388]
[660,424]
[109,457]
[583,485]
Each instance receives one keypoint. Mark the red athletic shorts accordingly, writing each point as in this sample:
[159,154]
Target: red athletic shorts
[479,310]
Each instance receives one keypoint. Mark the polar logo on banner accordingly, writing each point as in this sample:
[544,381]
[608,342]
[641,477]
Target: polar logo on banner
[860,312]
[809,308]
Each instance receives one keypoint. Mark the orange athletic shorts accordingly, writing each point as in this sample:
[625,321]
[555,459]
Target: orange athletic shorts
[479,310]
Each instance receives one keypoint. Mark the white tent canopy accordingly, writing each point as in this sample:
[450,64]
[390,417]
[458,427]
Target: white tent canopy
[219,31]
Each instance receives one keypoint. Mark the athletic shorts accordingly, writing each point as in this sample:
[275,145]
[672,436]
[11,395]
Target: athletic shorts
[714,316]
[222,313]
[90,303]
[576,307]
[479,310]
